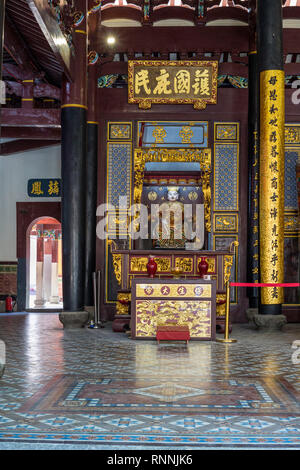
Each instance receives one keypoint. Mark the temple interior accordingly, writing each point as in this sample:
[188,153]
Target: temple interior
[150,225]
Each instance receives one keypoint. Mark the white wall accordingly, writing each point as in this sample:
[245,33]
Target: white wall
[15,171]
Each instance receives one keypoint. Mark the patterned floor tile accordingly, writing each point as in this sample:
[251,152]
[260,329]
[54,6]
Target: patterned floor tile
[245,395]
[123,422]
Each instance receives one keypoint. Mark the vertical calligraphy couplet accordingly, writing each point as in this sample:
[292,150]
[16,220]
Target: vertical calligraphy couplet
[272,184]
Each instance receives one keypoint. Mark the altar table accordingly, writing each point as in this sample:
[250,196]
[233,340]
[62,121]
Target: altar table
[189,302]
[132,264]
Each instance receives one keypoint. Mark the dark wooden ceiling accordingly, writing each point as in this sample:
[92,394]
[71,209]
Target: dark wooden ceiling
[28,50]
[22,21]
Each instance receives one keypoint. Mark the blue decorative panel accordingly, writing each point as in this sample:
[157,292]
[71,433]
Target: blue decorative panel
[173,134]
[119,171]
[44,187]
[226,177]
[290,183]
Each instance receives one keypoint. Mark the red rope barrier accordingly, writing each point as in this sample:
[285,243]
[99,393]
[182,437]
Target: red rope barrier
[257,284]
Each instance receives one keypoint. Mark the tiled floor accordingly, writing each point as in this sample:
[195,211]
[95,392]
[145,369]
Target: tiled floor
[98,389]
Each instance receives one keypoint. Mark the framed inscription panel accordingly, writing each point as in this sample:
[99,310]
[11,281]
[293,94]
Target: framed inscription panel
[177,82]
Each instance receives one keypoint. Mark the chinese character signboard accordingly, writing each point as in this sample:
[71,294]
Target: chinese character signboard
[177,82]
[44,187]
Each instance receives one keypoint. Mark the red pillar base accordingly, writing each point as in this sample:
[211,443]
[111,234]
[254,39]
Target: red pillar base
[220,325]
[121,323]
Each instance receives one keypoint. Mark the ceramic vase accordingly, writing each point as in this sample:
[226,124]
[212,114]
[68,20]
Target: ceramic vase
[202,267]
[151,267]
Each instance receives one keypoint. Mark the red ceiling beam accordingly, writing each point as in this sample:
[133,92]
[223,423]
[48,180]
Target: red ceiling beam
[52,32]
[31,133]
[23,117]
[191,39]
[292,69]
[173,39]
[20,146]
[291,40]
[39,91]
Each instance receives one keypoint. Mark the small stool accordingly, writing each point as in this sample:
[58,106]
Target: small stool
[172,332]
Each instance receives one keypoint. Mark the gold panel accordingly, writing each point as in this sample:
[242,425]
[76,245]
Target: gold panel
[139,264]
[117,263]
[225,222]
[226,131]
[151,312]
[292,134]
[228,261]
[271,221]
[185,265]
[221,307]
[173,290]
[163,264]
[119,130]
[124,296]
[123,309]
[291,223]
[180,81]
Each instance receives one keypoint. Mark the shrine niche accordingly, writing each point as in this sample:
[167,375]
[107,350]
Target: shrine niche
[169,225]
[201,156]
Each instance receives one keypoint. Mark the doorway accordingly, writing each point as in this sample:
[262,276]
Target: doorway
[44,265]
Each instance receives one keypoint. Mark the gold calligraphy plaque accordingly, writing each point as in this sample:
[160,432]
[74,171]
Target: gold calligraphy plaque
[173,290]
[178,82]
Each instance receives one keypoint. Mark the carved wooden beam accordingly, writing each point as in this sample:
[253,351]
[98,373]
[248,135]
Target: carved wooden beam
[53,34]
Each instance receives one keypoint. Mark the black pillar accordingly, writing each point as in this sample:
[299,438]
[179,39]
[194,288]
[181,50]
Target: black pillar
[271,177]
[73,157]
[2,17]
[73,124]
[270,45]
[91,206]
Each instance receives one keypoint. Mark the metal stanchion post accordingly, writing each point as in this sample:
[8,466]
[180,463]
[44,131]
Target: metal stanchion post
[95,323]
[226,338]
[99,321]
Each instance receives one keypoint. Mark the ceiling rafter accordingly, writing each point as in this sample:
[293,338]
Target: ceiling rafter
[19,51]
[52,33]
